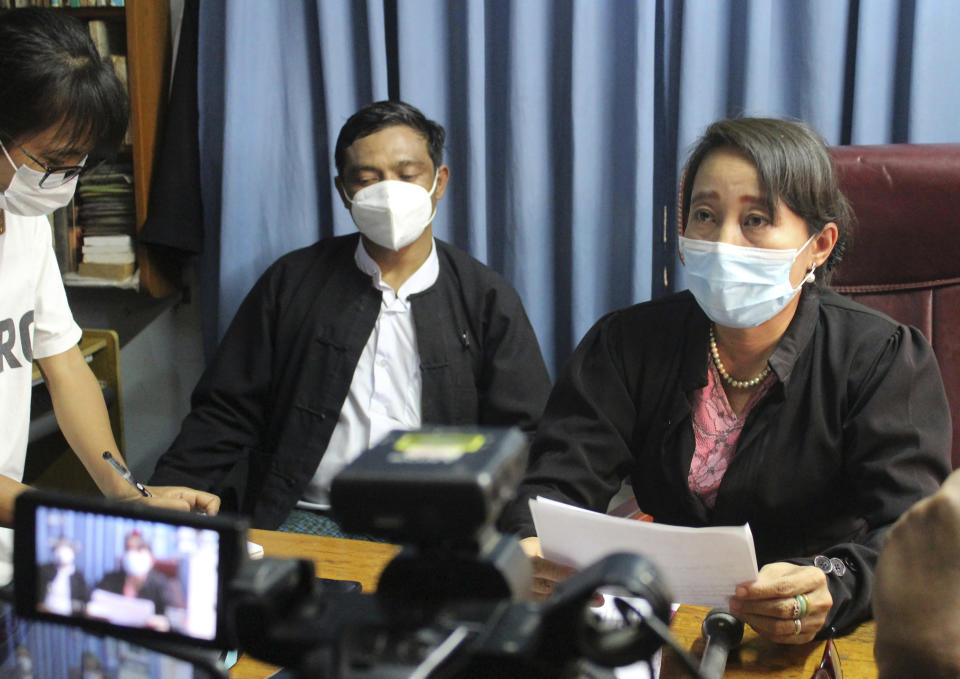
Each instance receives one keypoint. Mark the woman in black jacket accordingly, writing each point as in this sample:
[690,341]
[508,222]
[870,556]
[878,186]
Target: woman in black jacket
[758,396]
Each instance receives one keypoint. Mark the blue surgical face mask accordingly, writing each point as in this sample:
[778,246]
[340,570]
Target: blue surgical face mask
[737,286]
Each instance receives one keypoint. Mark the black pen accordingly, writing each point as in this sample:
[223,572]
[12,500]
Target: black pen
[125,473]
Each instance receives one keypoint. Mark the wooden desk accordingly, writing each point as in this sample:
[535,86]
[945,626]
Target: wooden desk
[363,561]
[333,557]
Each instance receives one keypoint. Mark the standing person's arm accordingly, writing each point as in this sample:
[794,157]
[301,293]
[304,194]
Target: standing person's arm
[9,490]
[82,415]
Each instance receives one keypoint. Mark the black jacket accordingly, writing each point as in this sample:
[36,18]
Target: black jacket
[855,430]
[265,408]
[79,592]
[162,590]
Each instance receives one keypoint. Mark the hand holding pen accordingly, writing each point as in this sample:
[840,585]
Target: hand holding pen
[171,497]
[125,473]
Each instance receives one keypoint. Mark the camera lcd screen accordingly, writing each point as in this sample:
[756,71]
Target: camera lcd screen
[122,566]
[42,650]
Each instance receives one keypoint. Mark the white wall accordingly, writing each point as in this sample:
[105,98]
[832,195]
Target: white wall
[158,369]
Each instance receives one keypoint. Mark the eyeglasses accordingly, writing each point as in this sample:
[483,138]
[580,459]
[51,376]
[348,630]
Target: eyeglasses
[57,175]
[829,664]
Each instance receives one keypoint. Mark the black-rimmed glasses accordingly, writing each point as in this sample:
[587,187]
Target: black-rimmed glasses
[57,175]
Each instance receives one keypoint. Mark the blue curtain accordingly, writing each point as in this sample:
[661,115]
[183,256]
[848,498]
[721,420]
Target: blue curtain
[567,121]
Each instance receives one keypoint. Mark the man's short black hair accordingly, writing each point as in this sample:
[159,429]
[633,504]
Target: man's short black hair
[378,115]
[52,77]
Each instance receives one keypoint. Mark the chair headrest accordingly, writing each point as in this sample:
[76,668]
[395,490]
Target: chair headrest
[907,201]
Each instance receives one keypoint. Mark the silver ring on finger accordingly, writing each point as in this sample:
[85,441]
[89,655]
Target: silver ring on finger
[797,626]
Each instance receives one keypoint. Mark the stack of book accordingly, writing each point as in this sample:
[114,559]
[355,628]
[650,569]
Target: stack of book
[106,216]
[107,257]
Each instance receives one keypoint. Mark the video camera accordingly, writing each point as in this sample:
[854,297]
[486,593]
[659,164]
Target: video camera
[453,603]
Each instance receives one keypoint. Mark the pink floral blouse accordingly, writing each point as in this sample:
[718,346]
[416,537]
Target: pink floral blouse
[716,429]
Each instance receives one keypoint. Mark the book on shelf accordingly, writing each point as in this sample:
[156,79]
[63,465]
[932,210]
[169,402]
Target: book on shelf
[96,257]
[119,63]
[108,250]
[118,243]
[66,238]
[69,4]
[100,34]
[106,217]
[117,272]
[105,200]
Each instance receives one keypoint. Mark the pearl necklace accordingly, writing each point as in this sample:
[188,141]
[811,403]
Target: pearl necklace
[739,384]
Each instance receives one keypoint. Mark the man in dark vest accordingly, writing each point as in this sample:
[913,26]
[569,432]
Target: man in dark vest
[346,340]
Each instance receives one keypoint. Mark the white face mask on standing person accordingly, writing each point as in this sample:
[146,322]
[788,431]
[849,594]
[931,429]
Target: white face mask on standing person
[26,197]
[393,213]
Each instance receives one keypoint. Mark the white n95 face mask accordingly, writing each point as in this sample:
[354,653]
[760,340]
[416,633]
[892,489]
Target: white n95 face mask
[137,562]
[737,286]
[26,198]
[393,213]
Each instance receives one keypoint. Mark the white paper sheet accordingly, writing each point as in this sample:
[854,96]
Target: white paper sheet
[701,566]
[120,609]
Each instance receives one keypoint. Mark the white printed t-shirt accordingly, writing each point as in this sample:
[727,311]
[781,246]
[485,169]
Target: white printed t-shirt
[35,322]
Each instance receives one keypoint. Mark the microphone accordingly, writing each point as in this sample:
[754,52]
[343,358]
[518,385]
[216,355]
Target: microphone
[722,632]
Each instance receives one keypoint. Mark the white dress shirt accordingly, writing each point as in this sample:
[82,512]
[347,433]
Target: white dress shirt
[385,391]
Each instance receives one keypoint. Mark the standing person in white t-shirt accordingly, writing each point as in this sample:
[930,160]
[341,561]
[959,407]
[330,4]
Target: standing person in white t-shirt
[60,104]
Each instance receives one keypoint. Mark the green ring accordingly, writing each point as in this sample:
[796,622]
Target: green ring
[802,600]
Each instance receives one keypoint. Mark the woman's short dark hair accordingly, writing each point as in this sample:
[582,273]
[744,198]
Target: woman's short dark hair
[52,77]
[378,115]
[793,165]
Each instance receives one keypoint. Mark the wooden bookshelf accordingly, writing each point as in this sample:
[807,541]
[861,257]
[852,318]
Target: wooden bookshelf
[146,29]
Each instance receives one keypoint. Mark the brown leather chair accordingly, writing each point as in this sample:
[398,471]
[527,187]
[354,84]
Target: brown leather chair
[905,256]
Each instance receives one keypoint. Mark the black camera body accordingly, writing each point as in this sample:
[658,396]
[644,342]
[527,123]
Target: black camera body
[353,636]
[452,603]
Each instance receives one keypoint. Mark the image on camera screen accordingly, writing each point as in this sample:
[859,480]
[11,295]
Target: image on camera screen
[126,571]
